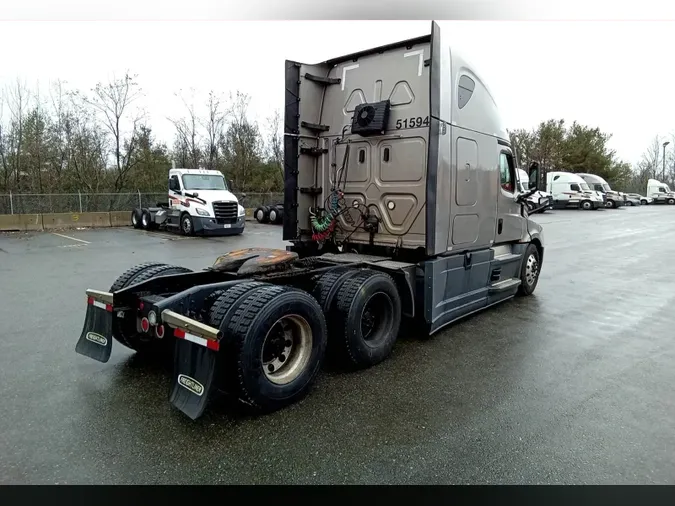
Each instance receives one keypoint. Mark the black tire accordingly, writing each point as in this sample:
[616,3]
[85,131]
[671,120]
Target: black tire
[644,202]
[327,285]
[251,329]
[125,330]
[531,265]
[136,218]
[261,215]
[146,219]
[352,303]
[670,201]
[280,215]
[127,276]
[610,204]
[187,226]
[586,205]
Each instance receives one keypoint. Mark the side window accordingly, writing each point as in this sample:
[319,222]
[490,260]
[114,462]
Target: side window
[575,187]
[662,189]
[466,87]
[506,172]
[598,187]
[174,184]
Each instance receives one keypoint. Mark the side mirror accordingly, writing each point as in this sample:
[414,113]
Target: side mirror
[230,183]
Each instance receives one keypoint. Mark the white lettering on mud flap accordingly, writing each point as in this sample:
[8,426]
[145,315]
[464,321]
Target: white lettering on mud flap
[191,384]
[96,338]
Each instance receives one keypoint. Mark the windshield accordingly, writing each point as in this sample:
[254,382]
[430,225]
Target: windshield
[203,182]
[667,188]
[606,187]
[584,186]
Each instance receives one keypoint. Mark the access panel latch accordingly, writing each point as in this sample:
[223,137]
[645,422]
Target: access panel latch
[467,260]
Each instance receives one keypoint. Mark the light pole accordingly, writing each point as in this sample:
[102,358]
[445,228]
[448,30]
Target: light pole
[663,175]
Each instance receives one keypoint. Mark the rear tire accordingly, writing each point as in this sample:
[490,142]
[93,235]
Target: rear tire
[146,219]
[529,271]
[136,218]
[273,215]
[365,319]
[280,215]
[125,330]
[276,342]
[260,215]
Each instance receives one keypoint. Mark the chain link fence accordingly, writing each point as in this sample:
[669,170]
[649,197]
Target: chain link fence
[47,203]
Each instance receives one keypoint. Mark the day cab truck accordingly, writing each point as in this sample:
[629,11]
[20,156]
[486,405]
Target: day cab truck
[660,192]
[571,191]
[200,202]
[613,198]
[400,202]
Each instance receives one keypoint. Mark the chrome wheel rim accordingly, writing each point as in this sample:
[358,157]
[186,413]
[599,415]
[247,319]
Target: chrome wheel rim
[186,224]
[531,269]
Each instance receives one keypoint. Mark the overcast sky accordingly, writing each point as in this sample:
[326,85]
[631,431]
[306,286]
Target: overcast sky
[618,75]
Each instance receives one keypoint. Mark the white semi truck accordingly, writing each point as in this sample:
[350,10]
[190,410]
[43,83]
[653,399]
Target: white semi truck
[570,190]
[200,202]
[660,192]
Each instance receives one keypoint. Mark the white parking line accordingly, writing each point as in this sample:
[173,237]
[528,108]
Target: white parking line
[71,238]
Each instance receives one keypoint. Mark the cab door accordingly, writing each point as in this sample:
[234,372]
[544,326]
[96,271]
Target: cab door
[510,220]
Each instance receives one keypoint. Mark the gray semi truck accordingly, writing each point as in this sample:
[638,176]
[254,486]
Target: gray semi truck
[401,202]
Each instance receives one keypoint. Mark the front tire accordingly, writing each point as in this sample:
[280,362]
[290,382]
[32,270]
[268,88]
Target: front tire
[187,225]
[644,202]
[671,201]
[529,271]
[586,205]
[610,204]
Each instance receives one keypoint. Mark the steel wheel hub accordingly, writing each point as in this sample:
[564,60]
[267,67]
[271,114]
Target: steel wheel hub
[286,349]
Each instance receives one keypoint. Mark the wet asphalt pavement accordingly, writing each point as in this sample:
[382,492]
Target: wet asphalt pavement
[571,385]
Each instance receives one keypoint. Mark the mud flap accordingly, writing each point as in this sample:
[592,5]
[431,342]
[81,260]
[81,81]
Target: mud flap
[194,368]
[96,337]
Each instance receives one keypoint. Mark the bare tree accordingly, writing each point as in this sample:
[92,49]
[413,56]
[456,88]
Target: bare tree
[651,158]
[214,127]
[113,101]
[187,132]
[276,142]
[18,103]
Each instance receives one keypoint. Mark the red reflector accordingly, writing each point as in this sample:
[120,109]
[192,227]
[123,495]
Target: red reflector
[108,307]
[90,300]
[179,333]
[140,305]
[145,324]
[159,330]
[212,345]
